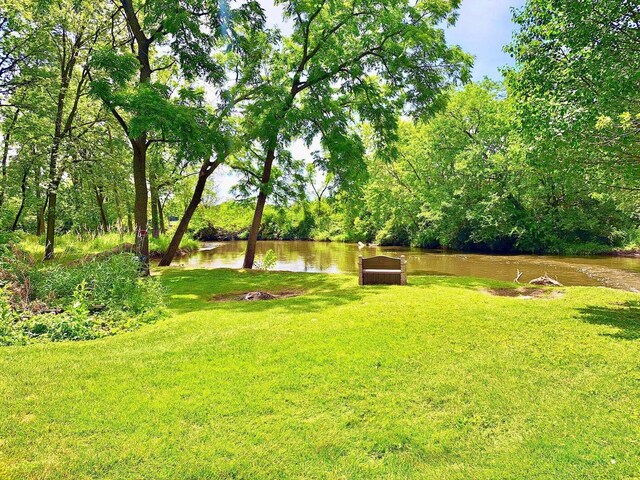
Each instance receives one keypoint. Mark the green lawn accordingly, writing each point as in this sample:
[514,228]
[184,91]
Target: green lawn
[435,380]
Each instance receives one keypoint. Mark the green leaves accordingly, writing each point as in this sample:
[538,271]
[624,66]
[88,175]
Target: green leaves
[577,65]
[116,67]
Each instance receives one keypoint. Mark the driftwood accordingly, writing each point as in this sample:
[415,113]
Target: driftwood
[546,280]
[519,274]
[252,296]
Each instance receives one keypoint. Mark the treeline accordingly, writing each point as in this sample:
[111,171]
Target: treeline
[115,115]
[118,111]
[467,179]
[547,162]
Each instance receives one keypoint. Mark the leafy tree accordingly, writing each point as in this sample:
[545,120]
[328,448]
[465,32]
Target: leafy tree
[58,82]
[466,179]
[339,67]
[577,78]
[180,37]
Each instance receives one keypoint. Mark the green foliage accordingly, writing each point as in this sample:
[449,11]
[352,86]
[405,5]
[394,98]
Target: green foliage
[74,246]
[336,70]
[158,246]
[577,82]
[268,261]
[466,179]
[77,301]
[232,220]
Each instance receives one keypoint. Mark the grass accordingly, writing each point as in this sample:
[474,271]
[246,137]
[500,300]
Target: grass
[436,380]
[71,246]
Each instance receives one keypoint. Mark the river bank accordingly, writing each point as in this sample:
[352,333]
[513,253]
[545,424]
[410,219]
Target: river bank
[332,257]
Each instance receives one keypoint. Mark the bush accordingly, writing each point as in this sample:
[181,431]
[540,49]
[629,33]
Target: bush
[75,302]
[268,261]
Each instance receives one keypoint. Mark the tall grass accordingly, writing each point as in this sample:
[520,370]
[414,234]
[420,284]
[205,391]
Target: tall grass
[74,301]
[71,246]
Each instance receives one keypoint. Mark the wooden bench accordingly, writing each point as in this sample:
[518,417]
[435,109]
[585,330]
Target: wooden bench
[382,270]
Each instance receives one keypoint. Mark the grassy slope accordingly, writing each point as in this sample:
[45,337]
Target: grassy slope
[434,380]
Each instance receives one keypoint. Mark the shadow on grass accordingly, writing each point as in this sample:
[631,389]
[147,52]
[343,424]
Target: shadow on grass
[625,317]
[193,290]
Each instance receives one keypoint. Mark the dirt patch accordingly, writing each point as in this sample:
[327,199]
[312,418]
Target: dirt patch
[255,296]
[525,293]
[633,253]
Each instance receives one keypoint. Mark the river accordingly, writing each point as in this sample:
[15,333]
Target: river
[301,256]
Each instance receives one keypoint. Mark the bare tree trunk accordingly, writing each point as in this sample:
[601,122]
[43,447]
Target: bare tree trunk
[23,189]
[163,229]
[155,224]
[250,254]
[103,215]
[205,172]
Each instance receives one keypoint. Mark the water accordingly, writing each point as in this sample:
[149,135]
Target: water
[299,256]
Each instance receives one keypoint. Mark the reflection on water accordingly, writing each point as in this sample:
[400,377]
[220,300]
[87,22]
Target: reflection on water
[300,256]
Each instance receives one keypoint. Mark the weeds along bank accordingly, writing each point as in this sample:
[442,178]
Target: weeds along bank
[79,300]
[75,245]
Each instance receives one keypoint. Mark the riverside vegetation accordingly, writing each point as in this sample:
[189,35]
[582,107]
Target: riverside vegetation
[117,118]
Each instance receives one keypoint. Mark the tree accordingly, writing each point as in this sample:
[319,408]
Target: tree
[8,128]
[466,179]
[340,66]
[187,33]
[576,78]
[55,85]
[20,43]
[246,42]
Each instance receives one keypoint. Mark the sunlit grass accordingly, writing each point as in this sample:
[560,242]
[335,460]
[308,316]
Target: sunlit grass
[435,380]
[70,246]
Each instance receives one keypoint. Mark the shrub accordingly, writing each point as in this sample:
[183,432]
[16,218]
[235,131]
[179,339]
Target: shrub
[80,301]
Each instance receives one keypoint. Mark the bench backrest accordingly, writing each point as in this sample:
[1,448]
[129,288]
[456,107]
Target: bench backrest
[381,262]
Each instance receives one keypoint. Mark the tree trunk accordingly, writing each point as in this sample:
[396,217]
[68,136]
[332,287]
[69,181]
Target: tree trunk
[54,176]
[139,143]
[5,155]
[103,215]
[52,198]
[42,208]
[155,224]
[205,172]
[163,229]
[52,192]
[23,189]
[250,254]
[41,215]
[141,201]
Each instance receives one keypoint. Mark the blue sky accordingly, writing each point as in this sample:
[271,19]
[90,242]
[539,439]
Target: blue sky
[483,28]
